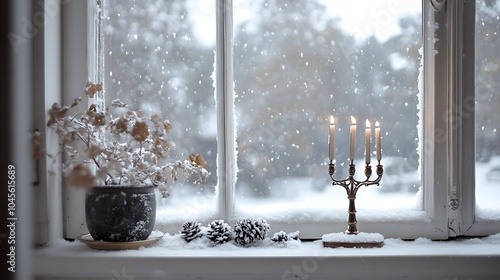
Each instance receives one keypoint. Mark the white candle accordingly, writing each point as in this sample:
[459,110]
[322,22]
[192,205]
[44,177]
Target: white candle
[331,138]
[353,138]
[368,142]
[377,139]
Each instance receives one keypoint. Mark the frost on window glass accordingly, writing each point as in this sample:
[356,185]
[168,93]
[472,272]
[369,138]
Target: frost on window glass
[487,106]
[298,62]
[158,56]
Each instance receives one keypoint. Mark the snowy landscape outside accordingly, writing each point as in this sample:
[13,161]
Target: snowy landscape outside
[295,64]
[487,109]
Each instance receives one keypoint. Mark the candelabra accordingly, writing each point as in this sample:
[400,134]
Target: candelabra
[352,186]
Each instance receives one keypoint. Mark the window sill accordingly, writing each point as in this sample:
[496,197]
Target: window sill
[419,259]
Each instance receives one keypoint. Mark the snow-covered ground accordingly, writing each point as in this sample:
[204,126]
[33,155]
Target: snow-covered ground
[296,199]
[488,189]
[307,204]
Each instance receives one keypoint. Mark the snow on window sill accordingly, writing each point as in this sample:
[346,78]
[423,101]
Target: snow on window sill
[477,257]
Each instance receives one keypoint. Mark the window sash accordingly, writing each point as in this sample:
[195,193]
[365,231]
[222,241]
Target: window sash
[446,173]
[465,18]
[461,86]
[454,80]
[226,141]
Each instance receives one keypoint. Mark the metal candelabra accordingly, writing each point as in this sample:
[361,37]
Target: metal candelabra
[352,185]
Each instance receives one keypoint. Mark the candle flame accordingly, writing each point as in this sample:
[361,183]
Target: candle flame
[377,124]
[332,120]
[353,120]
[367,123]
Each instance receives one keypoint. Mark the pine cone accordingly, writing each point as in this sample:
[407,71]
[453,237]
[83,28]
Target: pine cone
[280,237]
[250,231]
[191,230]
[219,232]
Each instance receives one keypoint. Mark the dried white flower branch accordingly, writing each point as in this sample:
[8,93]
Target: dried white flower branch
[125,146]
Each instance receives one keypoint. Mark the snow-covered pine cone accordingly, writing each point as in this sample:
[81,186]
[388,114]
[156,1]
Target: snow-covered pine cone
[280,237]
[191,230]
[219,232]
[250,231]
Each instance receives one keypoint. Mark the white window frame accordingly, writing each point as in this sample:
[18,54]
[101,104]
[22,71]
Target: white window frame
[448,83]
[463,87]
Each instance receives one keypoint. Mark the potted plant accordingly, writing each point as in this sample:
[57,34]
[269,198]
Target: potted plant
[119,156]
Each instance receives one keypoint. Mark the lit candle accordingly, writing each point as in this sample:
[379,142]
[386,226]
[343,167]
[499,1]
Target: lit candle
[331,139]
[368,142]
[353,138]
[377,139]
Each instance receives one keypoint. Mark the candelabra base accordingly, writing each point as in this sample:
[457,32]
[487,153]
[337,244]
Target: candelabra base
[360,240]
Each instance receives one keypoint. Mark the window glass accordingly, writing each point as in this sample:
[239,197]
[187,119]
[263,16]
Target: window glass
[487,108]
[159,57]
[298,62]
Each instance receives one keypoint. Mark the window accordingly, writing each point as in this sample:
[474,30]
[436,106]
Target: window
[487,104]
[159,56]
[278,77]
[292,72]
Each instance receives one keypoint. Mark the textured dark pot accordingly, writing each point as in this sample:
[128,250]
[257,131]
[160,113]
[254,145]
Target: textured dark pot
[120,213]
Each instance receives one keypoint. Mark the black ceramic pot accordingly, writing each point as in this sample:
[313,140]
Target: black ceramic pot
[120,213]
